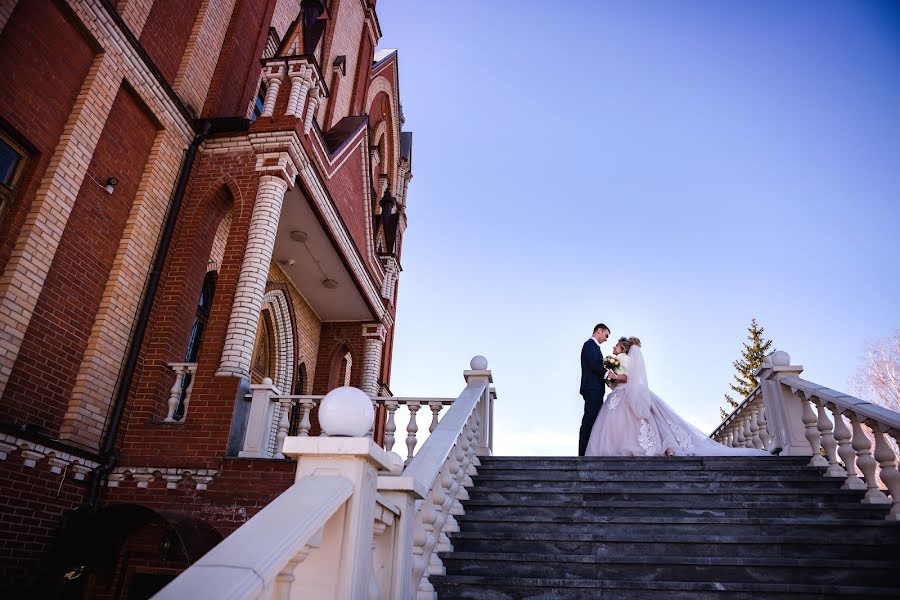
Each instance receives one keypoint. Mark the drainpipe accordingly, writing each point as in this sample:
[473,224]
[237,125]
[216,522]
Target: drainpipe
[108,453]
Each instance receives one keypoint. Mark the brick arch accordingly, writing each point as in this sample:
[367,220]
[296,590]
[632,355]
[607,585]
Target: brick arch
[175,308]
[277,302]
[380,89]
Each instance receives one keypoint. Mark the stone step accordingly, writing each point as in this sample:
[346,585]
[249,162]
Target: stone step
[798,473]
[640,462]
[673,498]
[520,588]
[677,568]
[765,478]
[574,511]
[632,542]
[724,467]
[832,531]
[638,487]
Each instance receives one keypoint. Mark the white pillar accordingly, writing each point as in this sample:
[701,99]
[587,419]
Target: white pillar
[784,410]
[342,565]
[251,285]
[273,83]
[373,336]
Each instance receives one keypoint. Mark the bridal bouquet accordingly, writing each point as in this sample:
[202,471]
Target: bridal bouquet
[611,363]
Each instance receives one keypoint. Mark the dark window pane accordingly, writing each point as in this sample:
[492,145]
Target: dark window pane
[9,161]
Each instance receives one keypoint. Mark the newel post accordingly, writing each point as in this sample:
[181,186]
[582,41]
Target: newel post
[342,566]
[404,493]
[262,411]
[485,409]
[784,410]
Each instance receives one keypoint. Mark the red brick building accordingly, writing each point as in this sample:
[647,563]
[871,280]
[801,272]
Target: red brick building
[196,195]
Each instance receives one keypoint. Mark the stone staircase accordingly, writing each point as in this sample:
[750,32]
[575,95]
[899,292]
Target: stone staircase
[673,528]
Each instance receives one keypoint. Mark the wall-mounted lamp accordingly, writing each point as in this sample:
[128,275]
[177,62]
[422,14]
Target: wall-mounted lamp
[111,183]
[287,262]
[330,283]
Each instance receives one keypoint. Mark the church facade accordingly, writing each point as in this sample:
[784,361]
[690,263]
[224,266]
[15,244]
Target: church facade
[197,196]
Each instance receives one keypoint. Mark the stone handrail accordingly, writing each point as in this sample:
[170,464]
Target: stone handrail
[789,415]
[271,415]
[357,524]
[257,560]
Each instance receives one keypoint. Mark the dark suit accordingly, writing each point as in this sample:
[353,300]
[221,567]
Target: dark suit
[593,388]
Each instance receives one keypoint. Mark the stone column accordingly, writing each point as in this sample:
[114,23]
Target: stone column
[783,409]
[251,286]
[374,336]
[273,76]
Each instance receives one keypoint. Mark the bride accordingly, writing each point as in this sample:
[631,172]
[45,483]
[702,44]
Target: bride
[636,422]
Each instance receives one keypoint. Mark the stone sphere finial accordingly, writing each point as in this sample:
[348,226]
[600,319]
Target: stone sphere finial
[267,381]
[478,363]
[780,358]
[346,411]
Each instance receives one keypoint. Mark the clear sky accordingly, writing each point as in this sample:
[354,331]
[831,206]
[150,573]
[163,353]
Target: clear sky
[672,169]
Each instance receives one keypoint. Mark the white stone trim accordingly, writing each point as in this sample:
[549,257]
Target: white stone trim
[33,453]
[172,476]
[277,303]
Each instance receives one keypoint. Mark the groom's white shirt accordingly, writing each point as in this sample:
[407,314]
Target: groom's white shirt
[596,342]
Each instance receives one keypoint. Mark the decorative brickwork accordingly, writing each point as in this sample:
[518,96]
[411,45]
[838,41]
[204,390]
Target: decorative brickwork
[54,345]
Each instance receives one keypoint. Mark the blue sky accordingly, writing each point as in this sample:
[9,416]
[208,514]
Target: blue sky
[670,168]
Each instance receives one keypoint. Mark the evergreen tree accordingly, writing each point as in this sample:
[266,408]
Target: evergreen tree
[752,357]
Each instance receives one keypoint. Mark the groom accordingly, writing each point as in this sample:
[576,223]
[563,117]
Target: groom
[593,386]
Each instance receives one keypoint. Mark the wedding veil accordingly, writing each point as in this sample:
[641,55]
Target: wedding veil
[637,390]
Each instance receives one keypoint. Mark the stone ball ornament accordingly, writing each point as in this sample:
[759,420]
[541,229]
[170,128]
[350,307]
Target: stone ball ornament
[780,358]
[478,363]
[346,412]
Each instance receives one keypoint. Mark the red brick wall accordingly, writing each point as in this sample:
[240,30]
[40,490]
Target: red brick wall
[363,70]
[237,72]
[166,33]
[44,58]
[31,506]
[201,439]
[47,364]
[346,188]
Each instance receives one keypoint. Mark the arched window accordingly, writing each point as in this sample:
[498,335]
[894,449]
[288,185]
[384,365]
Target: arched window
[201,317]
[262,364]
[299,390]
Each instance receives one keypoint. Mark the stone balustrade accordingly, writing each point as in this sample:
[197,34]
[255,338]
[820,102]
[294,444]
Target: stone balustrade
[280,415]
[357,523]
[180,395]
[790,416]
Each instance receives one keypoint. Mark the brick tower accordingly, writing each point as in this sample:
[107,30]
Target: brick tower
[197,197]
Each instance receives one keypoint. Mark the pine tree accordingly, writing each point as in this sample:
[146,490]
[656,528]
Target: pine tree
[752,357]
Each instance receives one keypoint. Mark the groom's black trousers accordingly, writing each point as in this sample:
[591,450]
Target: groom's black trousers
[593,400]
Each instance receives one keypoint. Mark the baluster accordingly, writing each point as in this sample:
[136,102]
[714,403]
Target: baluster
[390,426]
[305,408]
[764,436]
[411,429]
[823,424]
[284,423]
[175,395]
[285,578]
[846,452]
[866,462]
[187,392]
[739,438]
[435,406]
[812,435]
[887,460]
[754,431]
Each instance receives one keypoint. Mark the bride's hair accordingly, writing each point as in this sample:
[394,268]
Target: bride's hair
[627,343]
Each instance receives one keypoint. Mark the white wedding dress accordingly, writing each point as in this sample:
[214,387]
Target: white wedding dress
[636,422]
